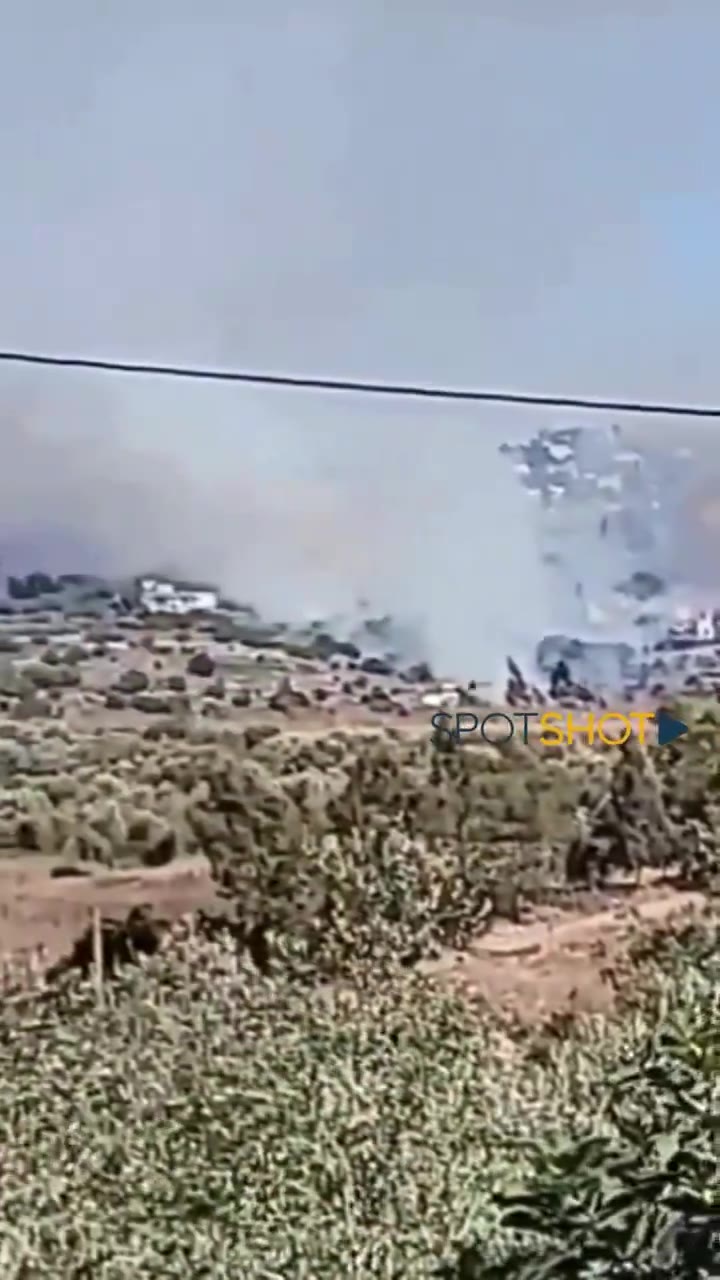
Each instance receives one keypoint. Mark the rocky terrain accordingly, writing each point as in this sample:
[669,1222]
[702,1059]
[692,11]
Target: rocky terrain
[89,661]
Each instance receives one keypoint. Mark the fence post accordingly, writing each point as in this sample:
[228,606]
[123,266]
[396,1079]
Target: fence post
[97,950]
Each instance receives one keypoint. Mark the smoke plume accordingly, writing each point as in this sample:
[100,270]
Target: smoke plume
[498,195]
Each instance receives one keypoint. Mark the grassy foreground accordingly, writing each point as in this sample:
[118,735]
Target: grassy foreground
[212,1122]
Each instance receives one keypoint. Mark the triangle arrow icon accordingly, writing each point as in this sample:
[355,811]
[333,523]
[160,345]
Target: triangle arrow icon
[668,728]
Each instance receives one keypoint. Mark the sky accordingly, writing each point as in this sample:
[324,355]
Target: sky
[519,194]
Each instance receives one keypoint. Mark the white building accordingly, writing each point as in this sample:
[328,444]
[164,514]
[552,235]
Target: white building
[159,595]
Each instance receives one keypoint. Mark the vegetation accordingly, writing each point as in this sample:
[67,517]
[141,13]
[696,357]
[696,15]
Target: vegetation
[211,1121]
[639,1196]
[283,1094]
[544,819]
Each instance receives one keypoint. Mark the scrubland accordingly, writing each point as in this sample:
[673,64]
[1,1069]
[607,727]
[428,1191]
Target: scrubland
[286,1088]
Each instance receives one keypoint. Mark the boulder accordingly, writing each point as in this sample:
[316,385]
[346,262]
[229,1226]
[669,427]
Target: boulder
[201,664]
[152,704]
[131,682]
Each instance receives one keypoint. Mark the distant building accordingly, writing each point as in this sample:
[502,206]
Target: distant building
[706,627]
[160,595]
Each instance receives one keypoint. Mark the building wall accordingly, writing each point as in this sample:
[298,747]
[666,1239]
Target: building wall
[157,596]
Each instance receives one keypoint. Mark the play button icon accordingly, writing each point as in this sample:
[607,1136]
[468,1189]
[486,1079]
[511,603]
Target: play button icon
[668,728]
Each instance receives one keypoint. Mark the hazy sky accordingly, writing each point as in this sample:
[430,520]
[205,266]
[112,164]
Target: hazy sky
[501,194]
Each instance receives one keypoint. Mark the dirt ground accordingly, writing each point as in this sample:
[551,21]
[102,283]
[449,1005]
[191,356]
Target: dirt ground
[41,916]
[564,962]
[559,962]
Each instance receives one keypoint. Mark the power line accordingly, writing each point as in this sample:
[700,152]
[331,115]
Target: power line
[408,390]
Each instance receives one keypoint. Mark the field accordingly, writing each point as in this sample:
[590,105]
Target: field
[352,992]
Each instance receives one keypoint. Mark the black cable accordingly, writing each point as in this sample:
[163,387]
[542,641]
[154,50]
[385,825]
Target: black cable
[363,388]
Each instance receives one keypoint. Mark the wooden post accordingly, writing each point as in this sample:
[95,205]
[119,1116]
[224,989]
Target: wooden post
[97,947]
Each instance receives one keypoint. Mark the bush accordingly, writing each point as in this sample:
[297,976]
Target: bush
[43,675]
[639,1196]
[212,1121]
[201,664]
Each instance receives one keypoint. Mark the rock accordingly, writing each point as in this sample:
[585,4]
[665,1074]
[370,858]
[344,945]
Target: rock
[152,704]
[242,698]
[114,701]
[132,681]
[379,700]
[215,690]
[177,684]
[201,664]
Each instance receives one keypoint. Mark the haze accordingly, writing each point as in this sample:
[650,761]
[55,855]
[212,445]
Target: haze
[506,195]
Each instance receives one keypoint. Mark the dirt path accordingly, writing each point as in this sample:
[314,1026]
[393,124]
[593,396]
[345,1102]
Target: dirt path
[41,914]
[566,962]
[558,961]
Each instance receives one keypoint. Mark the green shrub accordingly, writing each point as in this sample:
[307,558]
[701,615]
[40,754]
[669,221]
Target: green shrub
[210,1121]
[639,1197]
